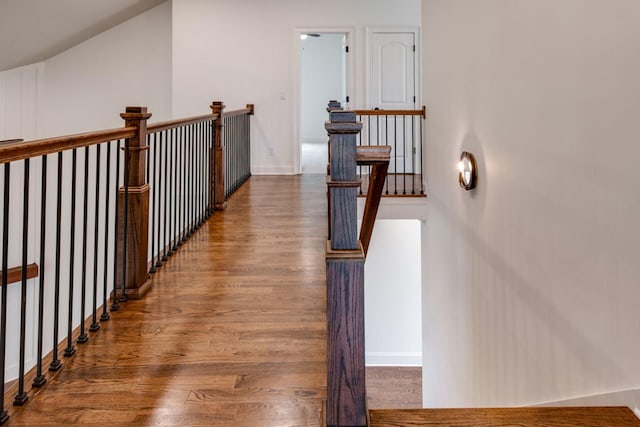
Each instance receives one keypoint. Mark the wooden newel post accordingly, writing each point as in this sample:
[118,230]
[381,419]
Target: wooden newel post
[137,281]
[217,158]
[346,393]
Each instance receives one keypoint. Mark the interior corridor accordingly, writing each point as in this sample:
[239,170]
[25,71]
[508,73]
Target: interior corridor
[233,332]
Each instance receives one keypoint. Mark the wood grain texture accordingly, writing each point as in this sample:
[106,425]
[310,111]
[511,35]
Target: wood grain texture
[394,387]
[137,241]
[14,275]
[372,203]
[233,332]
[24,150]
[516,417]
[343,200]
[346,390]
[422,112]
[217,108]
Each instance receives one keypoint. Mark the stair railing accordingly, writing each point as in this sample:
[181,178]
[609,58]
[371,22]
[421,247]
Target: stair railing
[86,219]
[345,257]
[402,130]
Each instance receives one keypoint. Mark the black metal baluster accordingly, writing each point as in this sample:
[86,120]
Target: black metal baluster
[413,154]
[70,350]
[421,156]
[207,131]
[114,301]
[183,198]
[395,154]
[95,325]
[193,184]
[125,224]
[199,175]
[359,119]
[190,184]
[40,380]
[404,155]
[83,338]
[55,363]
[165,220]
[205,172]
[105,293]
[5,284]
[180,204]
[154,190]
[21,398]
[170,200]
[160,141]
[228,151]
[174,205]
[233,142]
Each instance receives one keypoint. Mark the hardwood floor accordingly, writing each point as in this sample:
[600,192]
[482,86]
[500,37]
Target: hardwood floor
[520,417]
[233,332]
[394,387]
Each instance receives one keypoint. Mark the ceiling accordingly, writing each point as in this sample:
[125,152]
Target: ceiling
[34,30]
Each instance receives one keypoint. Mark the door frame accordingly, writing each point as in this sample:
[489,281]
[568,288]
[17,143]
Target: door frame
[417,76]
[296,81]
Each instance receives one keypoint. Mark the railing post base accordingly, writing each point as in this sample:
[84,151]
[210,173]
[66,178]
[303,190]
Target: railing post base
[138,282]
[135,221]
[346,392]
[217,158]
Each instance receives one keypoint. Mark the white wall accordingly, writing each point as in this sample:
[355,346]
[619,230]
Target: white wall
[89,85]
[83,89]
[393,333]
[531,281]
[245,52]
[20,90]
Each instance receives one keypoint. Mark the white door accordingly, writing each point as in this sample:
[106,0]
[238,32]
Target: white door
[392,86]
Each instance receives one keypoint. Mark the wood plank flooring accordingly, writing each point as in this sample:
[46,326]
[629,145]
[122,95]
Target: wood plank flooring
[233,332]
[394,387]
[520,417]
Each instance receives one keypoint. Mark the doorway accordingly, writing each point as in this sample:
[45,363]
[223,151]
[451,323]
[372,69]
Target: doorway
[323,76]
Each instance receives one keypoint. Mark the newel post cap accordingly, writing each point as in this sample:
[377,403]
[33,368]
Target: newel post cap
[342,122]
[217,107]
[136,113]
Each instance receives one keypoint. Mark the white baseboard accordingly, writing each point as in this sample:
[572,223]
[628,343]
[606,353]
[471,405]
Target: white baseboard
[316,140]
[272,170]
[393,359]
[630,398]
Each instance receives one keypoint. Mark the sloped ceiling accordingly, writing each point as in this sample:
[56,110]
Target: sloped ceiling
[34,30]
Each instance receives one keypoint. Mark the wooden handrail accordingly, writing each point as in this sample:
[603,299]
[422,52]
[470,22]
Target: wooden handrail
[371,154]
[26,150]
[422,112]
[244,111]
[171,124]
[378,157]
[14,275]
[10,141]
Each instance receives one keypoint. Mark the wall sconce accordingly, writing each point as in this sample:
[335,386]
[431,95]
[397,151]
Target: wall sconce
[467,171]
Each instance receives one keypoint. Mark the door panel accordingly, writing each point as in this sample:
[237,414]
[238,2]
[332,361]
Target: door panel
[392,87]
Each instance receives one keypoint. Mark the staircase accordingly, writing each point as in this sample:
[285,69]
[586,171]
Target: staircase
[345,256]
[522,417]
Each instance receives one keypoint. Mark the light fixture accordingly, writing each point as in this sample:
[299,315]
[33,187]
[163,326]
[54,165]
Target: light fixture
[467,171]
[304,36]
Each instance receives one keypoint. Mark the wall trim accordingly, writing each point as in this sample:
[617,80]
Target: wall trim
[393,359]
[630,398]
[272,170]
